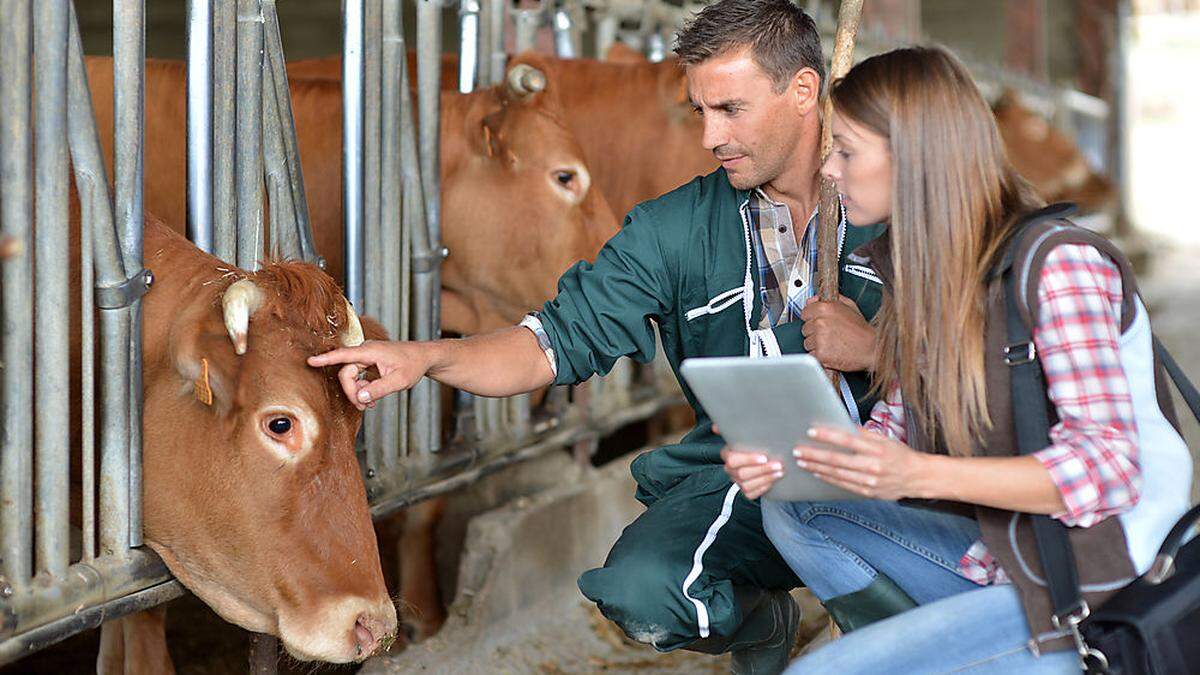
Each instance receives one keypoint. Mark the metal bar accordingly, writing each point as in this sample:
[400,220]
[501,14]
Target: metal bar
[249,135]
[87,333]
[392,57]
[469,44]
[526,23]
[224,133]
[426,482]
[497,58]
[372,82]
[16,273]
[283,101]
[284,240]
[371,236]
[86,585]
[52,633]
[429,66]
[115,334]
[51,359]
[264,654]
[606,33]
[564,33]
[352,146]
[129,89]
[199,124]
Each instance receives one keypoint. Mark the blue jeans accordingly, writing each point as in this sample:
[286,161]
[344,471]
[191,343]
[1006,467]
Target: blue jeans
[839,547]
[980,631]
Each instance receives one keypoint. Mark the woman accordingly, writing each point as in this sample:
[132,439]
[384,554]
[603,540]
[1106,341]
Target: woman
[916,146]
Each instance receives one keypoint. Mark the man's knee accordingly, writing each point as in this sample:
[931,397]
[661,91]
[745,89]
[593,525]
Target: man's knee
[640,601]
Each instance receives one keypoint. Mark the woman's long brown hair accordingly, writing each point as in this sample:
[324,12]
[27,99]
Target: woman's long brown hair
[955,198]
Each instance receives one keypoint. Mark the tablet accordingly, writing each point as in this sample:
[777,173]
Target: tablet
[769,405]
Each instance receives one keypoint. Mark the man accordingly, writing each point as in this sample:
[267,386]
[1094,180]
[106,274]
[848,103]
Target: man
[695,570]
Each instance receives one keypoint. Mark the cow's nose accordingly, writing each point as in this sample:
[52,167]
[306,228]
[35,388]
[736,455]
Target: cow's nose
[371,631]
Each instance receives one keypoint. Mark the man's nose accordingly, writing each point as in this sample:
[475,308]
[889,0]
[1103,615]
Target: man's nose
[715,134]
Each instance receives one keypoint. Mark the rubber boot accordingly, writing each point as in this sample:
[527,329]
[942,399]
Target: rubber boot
[881,599]
[763,642]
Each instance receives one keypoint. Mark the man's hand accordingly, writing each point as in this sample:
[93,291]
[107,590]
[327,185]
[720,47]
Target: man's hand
[401,365]
[837,334]
[754,472]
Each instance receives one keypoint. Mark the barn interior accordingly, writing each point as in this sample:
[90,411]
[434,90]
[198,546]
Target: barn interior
[515,497]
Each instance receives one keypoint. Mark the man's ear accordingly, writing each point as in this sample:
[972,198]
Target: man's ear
[805,87]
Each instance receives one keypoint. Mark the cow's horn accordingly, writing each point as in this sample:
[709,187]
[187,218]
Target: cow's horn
[523,80]
[241,300]
[353,335]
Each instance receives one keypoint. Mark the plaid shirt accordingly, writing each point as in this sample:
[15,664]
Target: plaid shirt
[1093,452]
[786,268]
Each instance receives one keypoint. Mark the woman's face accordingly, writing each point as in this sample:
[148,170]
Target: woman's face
[861,167]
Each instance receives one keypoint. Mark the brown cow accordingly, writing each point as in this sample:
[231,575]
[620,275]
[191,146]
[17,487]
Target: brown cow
[1048,159]
[517,208]
[252,493]
[631,117]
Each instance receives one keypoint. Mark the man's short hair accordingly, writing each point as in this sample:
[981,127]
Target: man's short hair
[781,37]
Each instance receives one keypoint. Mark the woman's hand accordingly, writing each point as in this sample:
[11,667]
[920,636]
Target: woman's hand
[872,465]
[400,365]
[837,334]
[753,472]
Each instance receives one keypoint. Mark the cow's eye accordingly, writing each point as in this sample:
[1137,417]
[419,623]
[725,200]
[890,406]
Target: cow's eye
[564,178]
[280,426]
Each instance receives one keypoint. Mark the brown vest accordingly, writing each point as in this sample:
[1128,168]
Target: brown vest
[1101,553]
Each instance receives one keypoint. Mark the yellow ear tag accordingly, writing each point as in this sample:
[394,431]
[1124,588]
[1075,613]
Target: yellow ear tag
[201,387]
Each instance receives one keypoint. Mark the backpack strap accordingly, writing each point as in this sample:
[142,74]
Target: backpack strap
[1031,412]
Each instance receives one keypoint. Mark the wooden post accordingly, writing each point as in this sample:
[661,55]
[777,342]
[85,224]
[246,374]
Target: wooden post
[827,239]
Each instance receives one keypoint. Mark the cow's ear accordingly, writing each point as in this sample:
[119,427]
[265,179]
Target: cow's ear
[205,364]
[372,329]
[491,136]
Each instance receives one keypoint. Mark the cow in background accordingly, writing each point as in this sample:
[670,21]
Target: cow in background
[1048,159]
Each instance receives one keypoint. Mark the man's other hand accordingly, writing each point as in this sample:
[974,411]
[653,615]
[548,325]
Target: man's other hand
[837,334]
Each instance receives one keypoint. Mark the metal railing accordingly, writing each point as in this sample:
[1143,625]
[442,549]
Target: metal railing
[54,582]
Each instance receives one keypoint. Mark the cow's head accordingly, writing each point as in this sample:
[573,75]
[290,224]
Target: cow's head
[254,497]
[515,181]
[1048,159]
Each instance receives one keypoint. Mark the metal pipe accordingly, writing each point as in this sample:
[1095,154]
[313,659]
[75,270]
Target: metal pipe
[51,360]
[115,334]
[497,57]
[564,34]
[87,380]
[249,135]
[429,66]
[16,273]
[129,89]
[284,241]
[77,622]
[416,293]
[606,33]
[283,101]
[224,133]
[392,57]
[85,585]
[372,81]
[352,147]
[199,123]
[526,23]
[469,47]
